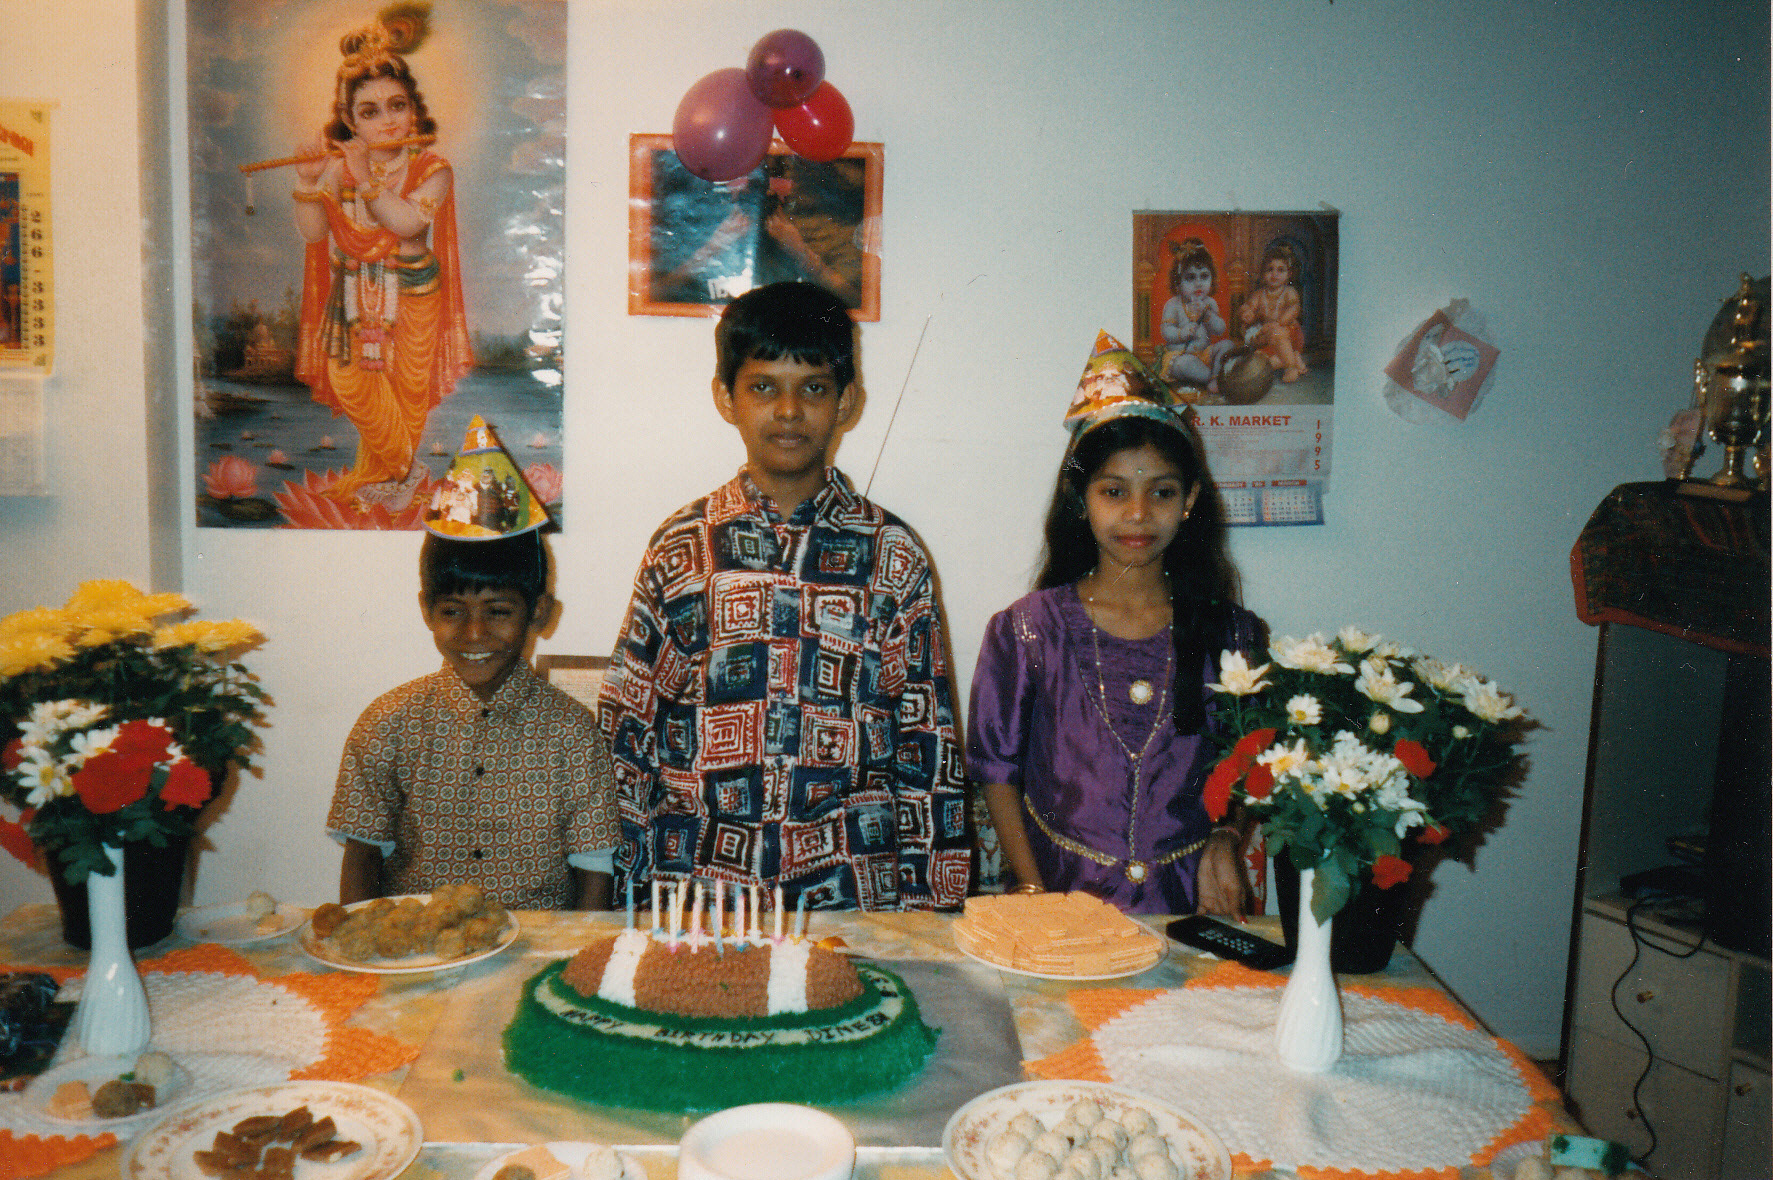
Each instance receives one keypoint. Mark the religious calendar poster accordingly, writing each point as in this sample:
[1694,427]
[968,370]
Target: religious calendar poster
[1237,311]
[27,271]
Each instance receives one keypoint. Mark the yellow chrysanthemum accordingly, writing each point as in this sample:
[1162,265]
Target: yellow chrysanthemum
[31,652]
[111,624]
[206,635]
[42,620]
[155,605]
[103,594]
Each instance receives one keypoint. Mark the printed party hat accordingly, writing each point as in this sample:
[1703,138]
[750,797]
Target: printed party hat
[483,496]
[1116,383]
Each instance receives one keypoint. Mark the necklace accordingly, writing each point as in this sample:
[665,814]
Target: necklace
[1140,690]
[1135,870]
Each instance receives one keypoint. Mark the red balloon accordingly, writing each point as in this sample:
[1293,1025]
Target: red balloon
[720,131]
[819,128]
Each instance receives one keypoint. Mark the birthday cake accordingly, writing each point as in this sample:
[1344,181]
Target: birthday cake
[674,1022]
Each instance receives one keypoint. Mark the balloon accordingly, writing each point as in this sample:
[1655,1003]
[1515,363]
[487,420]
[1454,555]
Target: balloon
[819,128]
[720,131]
[784,68]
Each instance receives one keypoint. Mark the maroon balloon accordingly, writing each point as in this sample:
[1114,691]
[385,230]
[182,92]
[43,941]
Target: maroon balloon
[784,68]
[819,128]
[721,132]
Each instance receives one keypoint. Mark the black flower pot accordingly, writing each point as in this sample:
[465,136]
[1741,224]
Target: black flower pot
[153,878]
[1364,932]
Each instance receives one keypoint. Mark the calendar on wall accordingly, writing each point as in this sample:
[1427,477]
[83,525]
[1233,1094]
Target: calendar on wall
[27,260]
[1237,311]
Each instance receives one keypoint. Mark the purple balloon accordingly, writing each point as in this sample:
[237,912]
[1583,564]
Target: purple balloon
[720,131]
[784,68]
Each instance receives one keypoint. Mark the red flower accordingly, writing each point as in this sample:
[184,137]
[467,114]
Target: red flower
[116,777]
[1260,782]
[1414,758]
[1252,744]
[13,754]
[1390,870]
[186,785]
[1432,834]
[1215,797]
[15,840]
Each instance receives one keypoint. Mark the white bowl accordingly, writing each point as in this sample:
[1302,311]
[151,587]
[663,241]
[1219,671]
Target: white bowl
[767,1141]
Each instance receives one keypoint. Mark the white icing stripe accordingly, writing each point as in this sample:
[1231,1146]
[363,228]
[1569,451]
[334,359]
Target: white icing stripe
[787,988]
[650,1027]
[617,984]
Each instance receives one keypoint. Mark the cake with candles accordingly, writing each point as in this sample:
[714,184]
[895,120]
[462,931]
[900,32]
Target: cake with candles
[699,1016]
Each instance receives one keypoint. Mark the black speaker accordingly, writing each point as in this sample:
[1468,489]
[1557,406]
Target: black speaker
[1738,849]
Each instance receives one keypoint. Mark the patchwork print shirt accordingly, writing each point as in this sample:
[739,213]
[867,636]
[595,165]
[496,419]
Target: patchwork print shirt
[779,707]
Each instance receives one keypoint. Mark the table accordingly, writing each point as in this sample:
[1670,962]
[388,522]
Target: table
[413,1008]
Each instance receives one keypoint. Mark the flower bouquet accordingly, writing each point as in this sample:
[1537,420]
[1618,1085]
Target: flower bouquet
[1345,749]
[113,721]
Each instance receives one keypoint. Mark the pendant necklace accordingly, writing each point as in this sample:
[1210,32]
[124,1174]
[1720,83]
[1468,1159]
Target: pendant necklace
[1135,869]
[1141,689]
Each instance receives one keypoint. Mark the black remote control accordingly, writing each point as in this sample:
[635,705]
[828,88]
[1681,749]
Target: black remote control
[1228,942]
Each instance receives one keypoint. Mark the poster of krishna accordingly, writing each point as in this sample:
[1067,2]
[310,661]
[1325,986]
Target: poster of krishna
[376,197]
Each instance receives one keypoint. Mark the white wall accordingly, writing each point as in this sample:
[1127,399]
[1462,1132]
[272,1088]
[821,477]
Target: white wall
[1591,175]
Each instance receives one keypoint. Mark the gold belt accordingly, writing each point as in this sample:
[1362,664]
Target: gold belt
[1136,870]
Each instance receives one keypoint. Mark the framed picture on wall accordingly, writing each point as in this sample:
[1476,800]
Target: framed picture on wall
[579,677]
[694,246]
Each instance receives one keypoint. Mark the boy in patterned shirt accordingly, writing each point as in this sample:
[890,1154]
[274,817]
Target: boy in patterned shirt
[778,704]
[482,771]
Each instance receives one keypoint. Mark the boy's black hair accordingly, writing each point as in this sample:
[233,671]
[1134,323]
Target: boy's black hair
[801,321]
[450,566]
[1203,579]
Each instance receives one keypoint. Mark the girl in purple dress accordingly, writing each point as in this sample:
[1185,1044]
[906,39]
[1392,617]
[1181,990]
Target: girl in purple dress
[1089,697]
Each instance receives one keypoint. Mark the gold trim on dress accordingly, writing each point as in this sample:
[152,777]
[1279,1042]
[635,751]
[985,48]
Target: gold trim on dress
[1136,869]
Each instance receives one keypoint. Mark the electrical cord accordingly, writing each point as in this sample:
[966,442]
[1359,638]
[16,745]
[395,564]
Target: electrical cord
[1638,943]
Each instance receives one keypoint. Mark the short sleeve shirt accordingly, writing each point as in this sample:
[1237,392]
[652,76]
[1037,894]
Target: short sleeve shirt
[498,792]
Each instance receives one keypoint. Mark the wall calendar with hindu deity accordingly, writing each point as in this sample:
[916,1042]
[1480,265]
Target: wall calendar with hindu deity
[27,261]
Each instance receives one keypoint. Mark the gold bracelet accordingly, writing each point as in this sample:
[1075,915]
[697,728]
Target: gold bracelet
[1028,889]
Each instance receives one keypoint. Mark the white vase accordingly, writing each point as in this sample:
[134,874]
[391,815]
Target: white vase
[1308,1031]
[112,1019]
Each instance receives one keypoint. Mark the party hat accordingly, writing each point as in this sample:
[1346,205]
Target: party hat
[483,496]
[1116,383]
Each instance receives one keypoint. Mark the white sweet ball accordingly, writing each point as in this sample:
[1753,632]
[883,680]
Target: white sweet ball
[1085,1111]
[1036,1165]
[1138,1121]
[1080,1164]
[1110,1132]
[1106,1153]
[1155,1167]
[1532,1168]
[1074,1131]
[1027,1126]
[600,1163]
[1148,1143]
[1004,1151]
[1051,1142]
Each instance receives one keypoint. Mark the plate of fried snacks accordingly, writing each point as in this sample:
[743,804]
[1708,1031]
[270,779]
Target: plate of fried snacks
[240,923]
[1071,936]
[291,1131]
[453,925]
[1046,1129]
[564,1161]
[99,1094]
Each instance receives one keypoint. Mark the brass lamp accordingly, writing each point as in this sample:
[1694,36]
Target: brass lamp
[1730,385]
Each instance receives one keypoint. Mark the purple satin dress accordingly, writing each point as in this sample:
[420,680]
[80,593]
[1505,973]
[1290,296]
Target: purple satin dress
[1037,722]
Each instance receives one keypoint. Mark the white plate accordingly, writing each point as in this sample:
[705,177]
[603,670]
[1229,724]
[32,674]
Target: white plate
[570,1154]
[385,1126]
[324,951]
[1158,949]
[1195,1150]
[230,925]
[767,1141]
[95,1072]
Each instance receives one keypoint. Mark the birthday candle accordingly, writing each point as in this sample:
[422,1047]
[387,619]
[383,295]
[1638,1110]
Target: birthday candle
[630,903]
[739,914]
[778,913]
[757,912]
[720,917]
[676,911]
[655,913]
[696,920]
[800,914]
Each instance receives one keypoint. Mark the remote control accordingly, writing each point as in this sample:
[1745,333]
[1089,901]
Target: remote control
[1228,942]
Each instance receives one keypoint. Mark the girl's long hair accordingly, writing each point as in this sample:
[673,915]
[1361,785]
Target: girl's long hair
[1203,580]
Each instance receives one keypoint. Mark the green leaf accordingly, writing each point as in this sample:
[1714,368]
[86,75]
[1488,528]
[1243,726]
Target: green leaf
[1330,888]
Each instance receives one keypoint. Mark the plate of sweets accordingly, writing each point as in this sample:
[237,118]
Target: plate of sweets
[1050,1130]
[451,926]
[241,923]
[563,1161]
[96,1094]
[290,1131]
[1072,936]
